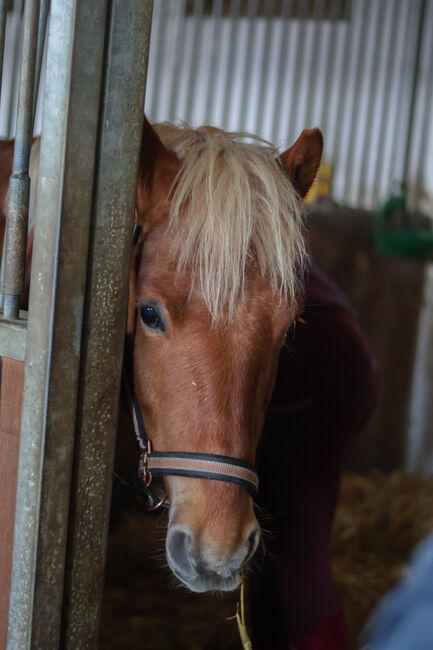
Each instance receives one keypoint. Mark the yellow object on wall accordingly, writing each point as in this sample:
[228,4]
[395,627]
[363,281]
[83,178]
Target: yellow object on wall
[322,185]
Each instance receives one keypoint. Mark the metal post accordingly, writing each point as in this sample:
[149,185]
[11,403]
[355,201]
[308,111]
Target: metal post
[3,11]
[42,28]
[77,171]
[40,331]
[105,312]
[19,184]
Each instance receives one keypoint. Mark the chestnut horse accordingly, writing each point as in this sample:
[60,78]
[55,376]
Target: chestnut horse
[215,285]
[216,281]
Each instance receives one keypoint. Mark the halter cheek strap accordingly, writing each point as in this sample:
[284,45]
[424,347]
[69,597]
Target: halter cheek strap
[155,464]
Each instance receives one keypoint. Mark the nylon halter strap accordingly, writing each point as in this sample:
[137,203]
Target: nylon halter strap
[180,463]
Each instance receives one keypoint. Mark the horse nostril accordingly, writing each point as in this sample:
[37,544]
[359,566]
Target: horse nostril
[179,543]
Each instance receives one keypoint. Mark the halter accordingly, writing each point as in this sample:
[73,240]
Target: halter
[155,464]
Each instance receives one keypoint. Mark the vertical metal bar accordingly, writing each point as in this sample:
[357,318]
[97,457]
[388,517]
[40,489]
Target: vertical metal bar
[3,11]
[19,184]
[406,26]
[42,28]
[40,326]
[427,114]
[104,322]
[17,11]
[413,92]
[62,389]
[2,266]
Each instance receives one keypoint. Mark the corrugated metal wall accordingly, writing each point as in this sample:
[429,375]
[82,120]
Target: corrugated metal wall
[274,68]
[361,70]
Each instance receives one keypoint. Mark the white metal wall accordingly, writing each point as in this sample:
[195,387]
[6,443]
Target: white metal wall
[274,67]
[274,74]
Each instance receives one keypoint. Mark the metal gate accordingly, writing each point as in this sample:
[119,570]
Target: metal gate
[72,341]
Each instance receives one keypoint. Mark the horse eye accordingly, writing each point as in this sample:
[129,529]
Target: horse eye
[151,318]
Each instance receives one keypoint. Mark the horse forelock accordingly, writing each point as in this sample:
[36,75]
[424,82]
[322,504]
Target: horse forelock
[233,211]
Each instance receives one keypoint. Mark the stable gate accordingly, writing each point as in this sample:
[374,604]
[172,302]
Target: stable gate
[72,342]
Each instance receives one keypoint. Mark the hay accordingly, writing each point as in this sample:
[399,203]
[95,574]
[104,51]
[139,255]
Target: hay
[379,521]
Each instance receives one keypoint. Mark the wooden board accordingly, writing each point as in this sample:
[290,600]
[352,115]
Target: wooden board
[11,389]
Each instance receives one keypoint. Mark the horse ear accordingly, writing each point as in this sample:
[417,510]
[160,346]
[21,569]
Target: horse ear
[151,150]
[155,169]
[302,160]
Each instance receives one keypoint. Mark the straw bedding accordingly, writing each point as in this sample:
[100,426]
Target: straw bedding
[379,521]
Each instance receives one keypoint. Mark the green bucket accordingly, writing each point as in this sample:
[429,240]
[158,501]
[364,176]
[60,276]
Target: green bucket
[394,234]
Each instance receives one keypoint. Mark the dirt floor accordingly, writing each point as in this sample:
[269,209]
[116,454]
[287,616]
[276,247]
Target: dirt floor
[379,521]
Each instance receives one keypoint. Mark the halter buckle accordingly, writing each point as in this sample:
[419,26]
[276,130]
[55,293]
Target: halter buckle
[143,472]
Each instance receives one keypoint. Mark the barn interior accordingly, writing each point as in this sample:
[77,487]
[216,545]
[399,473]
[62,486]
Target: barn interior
[360,71]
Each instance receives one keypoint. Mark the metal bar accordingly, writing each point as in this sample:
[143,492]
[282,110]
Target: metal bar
[42,28]
[3,11]
[13,339]
[427,105]
[63,382]
[17,11]
[2,269]
[40,327]
[413,92]
[406,28]
[104,322]
[19,184]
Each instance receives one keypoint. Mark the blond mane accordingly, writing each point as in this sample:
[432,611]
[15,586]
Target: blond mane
[233,208]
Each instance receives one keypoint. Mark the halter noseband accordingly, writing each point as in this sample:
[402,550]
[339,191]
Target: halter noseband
[155,464]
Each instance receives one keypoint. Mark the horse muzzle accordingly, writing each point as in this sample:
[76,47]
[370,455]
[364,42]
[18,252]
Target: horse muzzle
[199,567]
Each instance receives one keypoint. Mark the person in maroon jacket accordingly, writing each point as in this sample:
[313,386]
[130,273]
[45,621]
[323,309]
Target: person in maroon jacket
[326,387]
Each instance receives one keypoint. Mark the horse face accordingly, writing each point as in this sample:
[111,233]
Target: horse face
[202,387]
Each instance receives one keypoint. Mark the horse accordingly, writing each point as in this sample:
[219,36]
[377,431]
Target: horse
[217,280]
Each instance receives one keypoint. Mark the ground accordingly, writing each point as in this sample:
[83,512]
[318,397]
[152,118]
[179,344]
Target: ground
[379,521]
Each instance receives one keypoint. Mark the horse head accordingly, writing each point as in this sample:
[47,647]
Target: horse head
[215,282]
